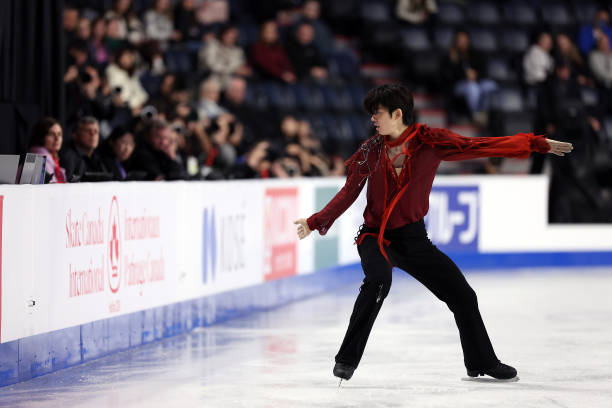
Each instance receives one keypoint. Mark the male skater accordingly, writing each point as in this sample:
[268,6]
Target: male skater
[399,162]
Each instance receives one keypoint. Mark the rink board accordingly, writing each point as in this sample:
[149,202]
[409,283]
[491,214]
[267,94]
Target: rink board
[91,269]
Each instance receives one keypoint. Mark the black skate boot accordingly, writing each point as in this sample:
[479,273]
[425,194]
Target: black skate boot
[343,371]
[500,372]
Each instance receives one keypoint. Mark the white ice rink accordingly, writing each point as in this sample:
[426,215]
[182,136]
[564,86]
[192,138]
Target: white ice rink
[554,327]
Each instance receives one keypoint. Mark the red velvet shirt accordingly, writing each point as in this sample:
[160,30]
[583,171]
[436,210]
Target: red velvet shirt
[395,200]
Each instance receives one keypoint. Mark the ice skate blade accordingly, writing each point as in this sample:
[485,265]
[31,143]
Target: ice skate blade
[489,379]
[340,383]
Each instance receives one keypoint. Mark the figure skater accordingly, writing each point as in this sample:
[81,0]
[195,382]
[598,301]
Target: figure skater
[399,163]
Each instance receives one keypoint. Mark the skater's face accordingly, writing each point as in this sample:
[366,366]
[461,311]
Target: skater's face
[386,122]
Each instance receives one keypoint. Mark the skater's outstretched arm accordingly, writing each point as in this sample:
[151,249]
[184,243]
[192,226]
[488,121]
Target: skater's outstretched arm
[451,146]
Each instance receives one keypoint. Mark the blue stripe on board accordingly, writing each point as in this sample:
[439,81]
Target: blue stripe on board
[33,356]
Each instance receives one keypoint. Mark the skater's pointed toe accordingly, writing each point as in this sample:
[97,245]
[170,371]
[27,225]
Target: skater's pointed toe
[500,372]
[343,371]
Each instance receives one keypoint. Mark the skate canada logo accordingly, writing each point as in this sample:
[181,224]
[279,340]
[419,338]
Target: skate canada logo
[452,221]
[114,247]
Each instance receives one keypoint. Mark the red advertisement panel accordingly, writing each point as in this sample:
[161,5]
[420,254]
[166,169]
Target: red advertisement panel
[280,241]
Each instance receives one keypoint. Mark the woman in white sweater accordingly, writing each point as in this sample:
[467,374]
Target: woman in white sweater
[123,79]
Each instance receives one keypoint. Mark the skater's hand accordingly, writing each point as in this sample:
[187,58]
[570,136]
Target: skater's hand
[302,230]
[559,148]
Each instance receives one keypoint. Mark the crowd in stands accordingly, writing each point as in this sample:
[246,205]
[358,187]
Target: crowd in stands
[214,89]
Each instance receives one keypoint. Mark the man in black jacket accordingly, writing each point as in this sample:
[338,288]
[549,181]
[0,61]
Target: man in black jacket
[79,156]
[150,155]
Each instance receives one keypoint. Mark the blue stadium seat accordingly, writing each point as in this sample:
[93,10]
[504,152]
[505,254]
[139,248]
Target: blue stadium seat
[376,11]
[150,83]
[589,96]
[484,13]
[499,69]
[451,13]
[483,40]
[522,13]
[357,93]
[178,61]
[249,32]
[556,14]
[360,125]
[280,96]
[444,37]
[415,39]
[607,125]
[307,96]
[337,98]
[507,100]
[256,96]
[515,40]
[340,128]
[585,11]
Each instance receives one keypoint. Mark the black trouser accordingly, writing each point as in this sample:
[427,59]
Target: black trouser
[411,250]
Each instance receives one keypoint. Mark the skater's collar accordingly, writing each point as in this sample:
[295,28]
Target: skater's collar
[406,135]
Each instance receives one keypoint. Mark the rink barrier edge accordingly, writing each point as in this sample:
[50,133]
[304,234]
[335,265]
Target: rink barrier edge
[33,356]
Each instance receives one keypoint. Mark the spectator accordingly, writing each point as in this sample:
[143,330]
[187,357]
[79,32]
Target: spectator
[211,12]
[46,140]
[589,33]
[129,26]
[565,48]
[323,38]
[269,56]
[208,104]
[600,62]
[122,78]
[223,57]
[304,55]
[164,99]
[114,41]
[116,151]
[416,11]
[83,31]
[538,63]
[158,23]
[254,163]
[97,47]
[465,73]
[70,23]
[185,21]
[80,156]
[151,157]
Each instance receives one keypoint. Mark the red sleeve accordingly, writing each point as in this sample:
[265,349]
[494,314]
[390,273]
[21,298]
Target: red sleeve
[324,219]
[451,146]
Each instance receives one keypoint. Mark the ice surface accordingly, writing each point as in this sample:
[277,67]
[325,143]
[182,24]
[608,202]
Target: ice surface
[554,326]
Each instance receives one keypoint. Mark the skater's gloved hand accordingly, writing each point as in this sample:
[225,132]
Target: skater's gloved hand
[559,148]
[302,230]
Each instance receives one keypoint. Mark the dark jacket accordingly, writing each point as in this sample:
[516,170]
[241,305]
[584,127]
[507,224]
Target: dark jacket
[304,58]
[77,165]
[156,164]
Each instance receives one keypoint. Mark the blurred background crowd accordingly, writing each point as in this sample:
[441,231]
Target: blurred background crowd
[226,89]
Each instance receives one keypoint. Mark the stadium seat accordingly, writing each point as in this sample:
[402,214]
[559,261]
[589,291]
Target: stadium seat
[307,96]
[249,32]
[499,69]
[514,40]
[589,96]
[520,13]
[444,37]
[483,13]
[451,14]
[337,98]
[556,14]
[178,61]
[376,11]
[360,125]
[483,40]
[256,96]
[608,128]
[150,83]
[415,39]
[281,97]
[585,11]
[507,100]
[357,93]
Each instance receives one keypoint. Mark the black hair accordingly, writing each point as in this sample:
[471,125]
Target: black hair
[118,133]
[391,97]
[40,130]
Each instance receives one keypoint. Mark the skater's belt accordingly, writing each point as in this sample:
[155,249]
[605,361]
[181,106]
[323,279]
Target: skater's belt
[375,235]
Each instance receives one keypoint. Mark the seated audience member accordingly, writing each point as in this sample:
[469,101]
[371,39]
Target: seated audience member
[465,73]
[186,22]
[304,55]
[122,78]
[566,49]
[70,22]
[46,140]
[213,12]
[116,151]
[130,27]
[269,56]
[416,11]
[590,32]
[158,23]
[223,57]
[98,50]
[84,29]
[600,62]
[537,62]
[323,38]
[150,156]
[208,104]
[79,156]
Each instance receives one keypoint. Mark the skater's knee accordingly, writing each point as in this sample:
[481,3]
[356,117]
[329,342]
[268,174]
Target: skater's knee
[465,298]
[379,287]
